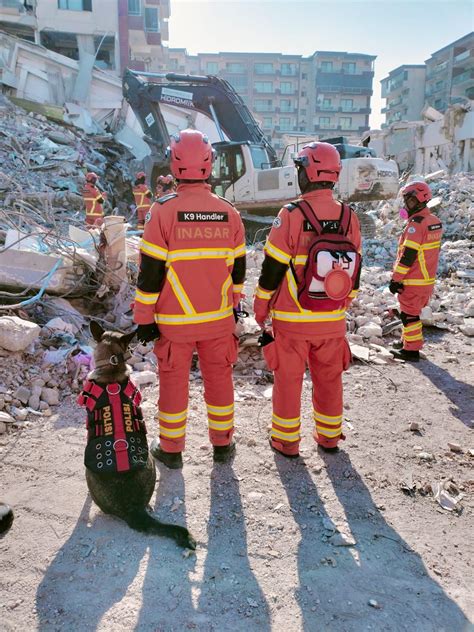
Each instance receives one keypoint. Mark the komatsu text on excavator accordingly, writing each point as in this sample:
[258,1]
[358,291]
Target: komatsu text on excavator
[246,171]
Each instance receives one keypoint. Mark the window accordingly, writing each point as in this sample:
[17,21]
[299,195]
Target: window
[349,67]
[286,87]
[303,93]
[288,70]
[152,21]
[326,66]
[347,105]
[134,7]
[325,122]
[212,67]
[345,122]
[75,5]
[327,104]
[235,67]
[304,75]
[267,121]
[264,86]
[285,124]
[259,157]
[286,105]
[263,69]
[263,105]
[239,82]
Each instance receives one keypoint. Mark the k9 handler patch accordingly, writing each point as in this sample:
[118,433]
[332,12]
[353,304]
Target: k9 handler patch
[202,216]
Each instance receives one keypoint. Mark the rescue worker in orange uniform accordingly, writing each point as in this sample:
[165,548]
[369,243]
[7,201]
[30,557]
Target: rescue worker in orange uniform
[94,200]
[143,198]
[165,184]
[191,276]
[303,337]
[414,272]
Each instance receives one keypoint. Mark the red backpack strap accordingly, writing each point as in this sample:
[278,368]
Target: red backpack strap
[89,395]
[307,210]
[345,218]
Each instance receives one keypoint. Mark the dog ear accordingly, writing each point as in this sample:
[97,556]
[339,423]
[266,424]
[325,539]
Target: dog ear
[96,330]
[126,339]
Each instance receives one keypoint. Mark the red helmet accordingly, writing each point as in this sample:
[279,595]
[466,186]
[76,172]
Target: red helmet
[321,161]
[140,175]
[420,190]
[191,155]
[91,177]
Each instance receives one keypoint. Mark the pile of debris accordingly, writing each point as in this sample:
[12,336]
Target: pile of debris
[43,165]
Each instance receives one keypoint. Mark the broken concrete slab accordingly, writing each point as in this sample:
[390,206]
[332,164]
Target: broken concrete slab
[17,334]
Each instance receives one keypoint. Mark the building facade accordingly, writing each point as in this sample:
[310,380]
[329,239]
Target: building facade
[404,91]
[450,74]
[323,95]
[119,33]
[447,77]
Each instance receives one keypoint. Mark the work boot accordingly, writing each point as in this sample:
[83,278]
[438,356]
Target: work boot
[398,344]
[277,451]
[331,450]
[405,354]
[173,460]
[224,453]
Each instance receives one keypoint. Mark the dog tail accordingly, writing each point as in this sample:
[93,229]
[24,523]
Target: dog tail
[147,523]
[6,517]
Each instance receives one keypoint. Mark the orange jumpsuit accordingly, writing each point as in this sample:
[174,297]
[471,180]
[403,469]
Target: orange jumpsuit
[191,276]
[415,266]
[143,200]
[94,200]
[302,337]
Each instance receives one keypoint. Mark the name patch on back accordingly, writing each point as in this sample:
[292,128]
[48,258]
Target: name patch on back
[202,216]
[435,227]
[329,226]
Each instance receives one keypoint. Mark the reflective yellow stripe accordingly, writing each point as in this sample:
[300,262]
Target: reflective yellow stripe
[153,251]
[173,434]
[286,423]
[147,298]
[419,282]
[179,292]
[240,251]
[300,260]
[225,288]
[412,338]
[191,254]
[220,425]
[431,245]
[422,262]
[412,327]
[327,419]
[237,289]
[327,432]
[285,436]
[192,319]
[266,295]
[220,411]
[309,317]
[411,244]
[293,290]
[401,269]
[173,417]
[354,293]
[276,253]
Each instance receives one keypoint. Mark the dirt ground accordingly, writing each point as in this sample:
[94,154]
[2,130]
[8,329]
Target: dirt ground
[265,558]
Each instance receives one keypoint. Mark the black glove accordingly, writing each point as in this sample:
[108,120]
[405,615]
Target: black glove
[395,287]
[147,333]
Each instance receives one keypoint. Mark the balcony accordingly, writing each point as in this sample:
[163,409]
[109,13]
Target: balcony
[326,108]
[467,75]
[463,56]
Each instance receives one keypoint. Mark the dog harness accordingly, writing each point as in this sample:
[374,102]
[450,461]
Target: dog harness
[116,432]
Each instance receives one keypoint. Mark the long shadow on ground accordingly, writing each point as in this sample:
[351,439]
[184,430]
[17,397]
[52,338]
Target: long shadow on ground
[336,583]
[460,393]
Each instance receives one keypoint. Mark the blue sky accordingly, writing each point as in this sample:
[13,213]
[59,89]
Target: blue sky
[398,32]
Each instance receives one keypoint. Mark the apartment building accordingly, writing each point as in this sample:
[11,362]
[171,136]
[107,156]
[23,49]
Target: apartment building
[404,91]
[450,73]
[323,95]
[447,77]
[119,33]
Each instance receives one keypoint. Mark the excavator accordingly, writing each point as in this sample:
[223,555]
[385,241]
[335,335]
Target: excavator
[246,170]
